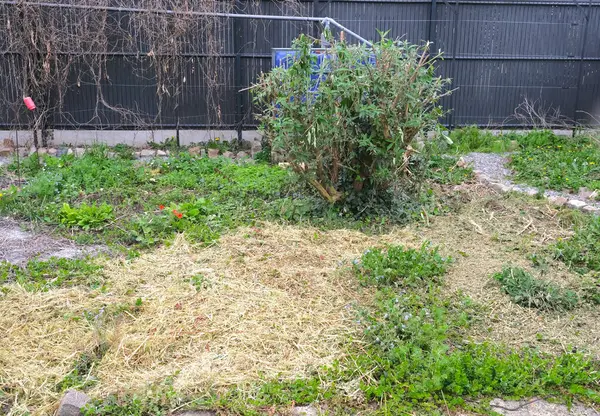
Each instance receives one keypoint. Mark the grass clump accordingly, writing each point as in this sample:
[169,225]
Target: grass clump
[526,290]
[400,266]
[557,162]
[472,139]
[581,252]
[446,171]
[38,275]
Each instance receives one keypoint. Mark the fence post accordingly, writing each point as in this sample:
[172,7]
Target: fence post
[581,59]
[433,22]
[451,121]
[238,41]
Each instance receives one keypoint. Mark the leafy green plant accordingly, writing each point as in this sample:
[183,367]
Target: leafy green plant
[526,290]
[85,216]
[38,275]
[445,170]
[350,129]
[400,266]
[581,251]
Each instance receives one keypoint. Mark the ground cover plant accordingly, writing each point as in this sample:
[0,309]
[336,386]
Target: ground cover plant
[526,290]
[101,198]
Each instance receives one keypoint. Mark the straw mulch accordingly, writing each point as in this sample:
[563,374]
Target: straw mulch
[265,302]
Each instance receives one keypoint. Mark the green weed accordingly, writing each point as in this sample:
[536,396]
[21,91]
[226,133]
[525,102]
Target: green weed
[526,290]
[85,216]
[39,275]
[400,266]
[444,170]
[582,251]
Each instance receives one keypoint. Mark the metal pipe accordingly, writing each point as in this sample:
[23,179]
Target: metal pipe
[323,20]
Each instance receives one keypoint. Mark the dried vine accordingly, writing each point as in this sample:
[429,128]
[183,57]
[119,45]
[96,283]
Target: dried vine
[49,52]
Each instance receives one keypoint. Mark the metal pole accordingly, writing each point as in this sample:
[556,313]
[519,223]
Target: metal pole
[190,13]
[238,41]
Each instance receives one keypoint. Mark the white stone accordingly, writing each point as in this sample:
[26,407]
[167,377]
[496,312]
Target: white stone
[72,403]
[591,209]
[558,200]
[161,153]
[304,411]
[574,203]
[147,153]
[500,187]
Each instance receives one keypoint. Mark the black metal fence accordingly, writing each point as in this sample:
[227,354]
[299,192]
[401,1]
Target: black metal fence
[498,53]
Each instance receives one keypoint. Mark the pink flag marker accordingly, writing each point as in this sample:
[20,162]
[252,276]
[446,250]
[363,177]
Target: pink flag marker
[29,103]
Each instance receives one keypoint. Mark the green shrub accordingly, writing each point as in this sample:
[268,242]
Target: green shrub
[525,290]
[582,251]
[353,132]
[401,266]
[85,216]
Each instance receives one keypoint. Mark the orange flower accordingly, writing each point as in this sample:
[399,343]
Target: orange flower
[161,207]
[177,213]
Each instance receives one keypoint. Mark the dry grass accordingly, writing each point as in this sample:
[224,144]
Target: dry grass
[272,302]
[492,230]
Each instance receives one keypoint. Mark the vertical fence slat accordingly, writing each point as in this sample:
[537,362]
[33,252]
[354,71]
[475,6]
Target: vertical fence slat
[582,57]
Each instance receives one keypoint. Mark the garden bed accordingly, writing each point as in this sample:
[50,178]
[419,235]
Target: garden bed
[258,297]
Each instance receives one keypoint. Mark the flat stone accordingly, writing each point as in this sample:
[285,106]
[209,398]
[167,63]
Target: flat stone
[69,151]
[589,209]
[228,155]
[500,187]
[586,193]
[137,155]
[147,153]
[79,151]
[62,151]
[531,191]
[161,153]
[558,200]
[304,411]
[242,155]
[32,150]
[537,407]
[574,203]
[52,151]
[42,151]
[483,178]
[256,147]
[6,151]
[195,150]
[213,153]
[72,403]
[8,143]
